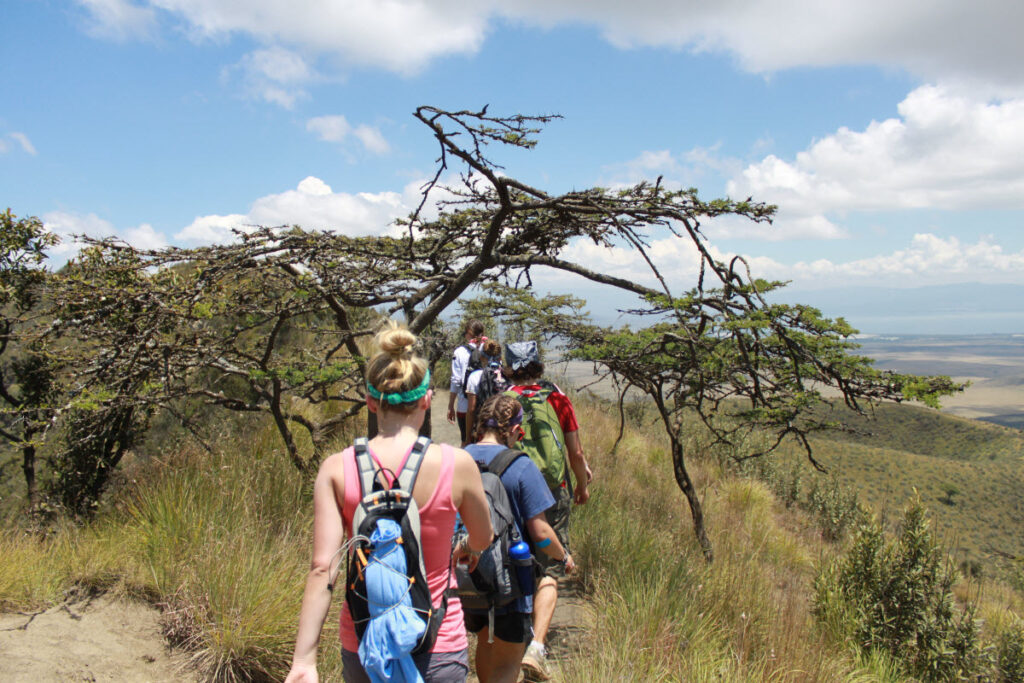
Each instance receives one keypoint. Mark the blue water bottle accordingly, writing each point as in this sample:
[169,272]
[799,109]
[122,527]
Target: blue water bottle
[523,561]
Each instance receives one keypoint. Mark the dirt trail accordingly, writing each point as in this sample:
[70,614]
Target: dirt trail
[93,639]
[106,639]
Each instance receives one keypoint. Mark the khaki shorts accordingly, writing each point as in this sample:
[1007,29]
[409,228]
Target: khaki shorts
[558,518]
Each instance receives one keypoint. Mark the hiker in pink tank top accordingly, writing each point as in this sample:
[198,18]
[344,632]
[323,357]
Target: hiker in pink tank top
[448,482]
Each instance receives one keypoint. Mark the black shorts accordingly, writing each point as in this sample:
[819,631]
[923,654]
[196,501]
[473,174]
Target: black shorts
[512,627]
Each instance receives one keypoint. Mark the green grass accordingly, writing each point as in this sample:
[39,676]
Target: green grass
[922,451]
[922,431]
[221,543]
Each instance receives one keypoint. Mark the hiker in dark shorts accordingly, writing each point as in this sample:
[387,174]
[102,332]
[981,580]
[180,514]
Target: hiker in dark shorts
[524,369]
[499,428]
[473,336]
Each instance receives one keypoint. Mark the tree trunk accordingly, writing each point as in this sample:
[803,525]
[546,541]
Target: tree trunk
[286,433]
[28,466]
[696,510]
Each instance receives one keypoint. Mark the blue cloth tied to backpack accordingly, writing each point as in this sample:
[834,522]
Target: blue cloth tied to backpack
[394,628]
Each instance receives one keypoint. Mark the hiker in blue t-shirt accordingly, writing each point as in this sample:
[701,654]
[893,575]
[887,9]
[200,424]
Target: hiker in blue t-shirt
[499,427]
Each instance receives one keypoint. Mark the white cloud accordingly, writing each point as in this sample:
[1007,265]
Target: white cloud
[372,139]
[336,128]
[329,128]
[400,35]
[119,19]
[67,225]
[314,206]
[928,259]
[945,151]
[274,75]
[25,143]
[973,42]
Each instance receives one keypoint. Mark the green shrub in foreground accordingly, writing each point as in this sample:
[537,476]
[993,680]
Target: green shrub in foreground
[896,596]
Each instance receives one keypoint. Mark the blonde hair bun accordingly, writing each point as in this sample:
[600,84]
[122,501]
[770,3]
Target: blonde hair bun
[397,342]
[397,368]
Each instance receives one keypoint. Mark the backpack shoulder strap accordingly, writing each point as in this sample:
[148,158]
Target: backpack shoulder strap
[364,465]
[502,461]
[411,469]
[547,388]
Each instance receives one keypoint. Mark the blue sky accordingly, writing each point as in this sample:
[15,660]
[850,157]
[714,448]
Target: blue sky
[891,137]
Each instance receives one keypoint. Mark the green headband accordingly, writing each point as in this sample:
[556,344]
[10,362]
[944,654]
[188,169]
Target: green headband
[403,396]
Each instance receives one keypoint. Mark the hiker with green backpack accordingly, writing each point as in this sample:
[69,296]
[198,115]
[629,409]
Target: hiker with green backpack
[497,596]
[551,439]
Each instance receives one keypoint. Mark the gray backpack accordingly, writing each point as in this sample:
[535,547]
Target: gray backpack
[494,582]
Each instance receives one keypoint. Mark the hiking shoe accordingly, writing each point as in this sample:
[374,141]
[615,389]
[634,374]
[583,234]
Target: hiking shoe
[535,665]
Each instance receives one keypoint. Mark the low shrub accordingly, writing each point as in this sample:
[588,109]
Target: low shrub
[896,596]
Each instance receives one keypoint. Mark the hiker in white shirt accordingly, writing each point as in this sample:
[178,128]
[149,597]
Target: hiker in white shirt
[473,334]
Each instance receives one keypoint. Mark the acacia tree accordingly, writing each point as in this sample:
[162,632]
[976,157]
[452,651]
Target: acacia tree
[742,366]
[27,371]
[192,317]
[205,317]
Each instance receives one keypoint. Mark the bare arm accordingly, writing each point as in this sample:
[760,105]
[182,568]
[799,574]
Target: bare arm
[539,530]
[579,466]
[455,385]
[470,423]
[328,535]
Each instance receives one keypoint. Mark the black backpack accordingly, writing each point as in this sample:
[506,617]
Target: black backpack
[475,363]
[494,583]
[492,382]
[395,502]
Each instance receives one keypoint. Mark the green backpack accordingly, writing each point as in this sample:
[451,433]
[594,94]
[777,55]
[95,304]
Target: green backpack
[543,439]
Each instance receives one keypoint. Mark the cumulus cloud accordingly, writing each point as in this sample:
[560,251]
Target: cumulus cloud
[928,259]
[313,205]
[119,19]
[700,166]
[274,75]
[973,42]
[400,35]
[944,151]
[372,139]
[67,225]
[336,128]
[329,128]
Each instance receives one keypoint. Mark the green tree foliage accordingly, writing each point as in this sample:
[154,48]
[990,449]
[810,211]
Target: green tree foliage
[213,324]
[897,596]
[27,371]
[741,365]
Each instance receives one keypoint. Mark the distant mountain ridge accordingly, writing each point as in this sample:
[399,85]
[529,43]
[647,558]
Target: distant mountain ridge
[969,308]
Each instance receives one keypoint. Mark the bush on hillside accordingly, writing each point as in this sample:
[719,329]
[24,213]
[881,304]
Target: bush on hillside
[896,596]
[1009,654]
